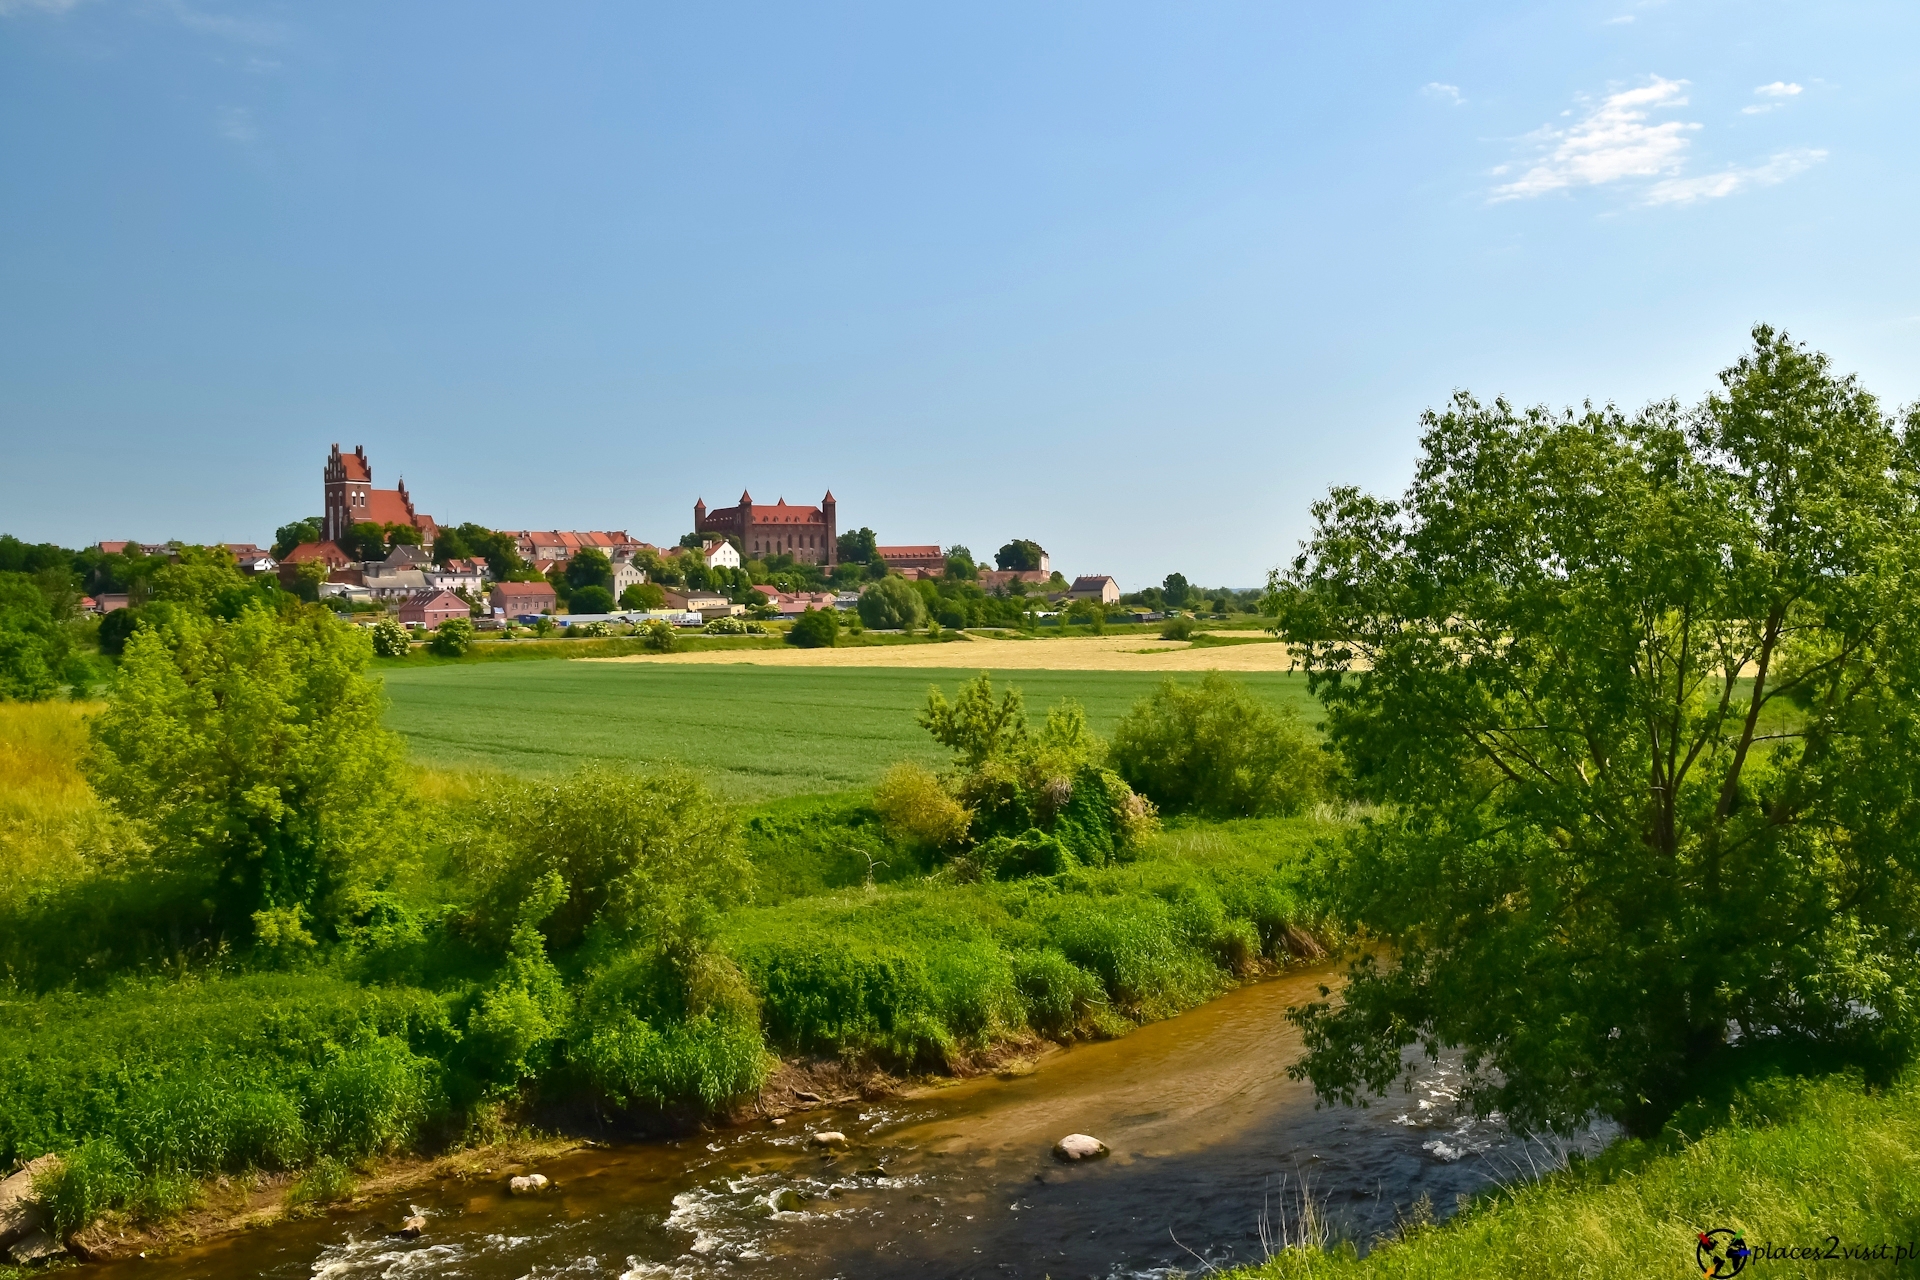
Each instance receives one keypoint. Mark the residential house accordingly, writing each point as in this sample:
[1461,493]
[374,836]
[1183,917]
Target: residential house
[469,576]
[326,553]
[521,599]
[721,554]
[107,601]
[626,574]
[707,604]
[431,608]
[1095,586]
[251,559]
[556,544]
[391,584]
[792,606]
[407,556]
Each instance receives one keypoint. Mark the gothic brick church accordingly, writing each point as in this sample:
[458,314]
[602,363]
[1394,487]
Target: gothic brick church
[807,534]
[351,499]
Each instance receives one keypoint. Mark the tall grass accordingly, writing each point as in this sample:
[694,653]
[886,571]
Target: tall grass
[1790,1163]
[51,828]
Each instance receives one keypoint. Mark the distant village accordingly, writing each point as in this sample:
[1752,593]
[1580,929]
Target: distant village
[372,551]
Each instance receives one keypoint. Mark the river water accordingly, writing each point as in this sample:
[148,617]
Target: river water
[1212,1145]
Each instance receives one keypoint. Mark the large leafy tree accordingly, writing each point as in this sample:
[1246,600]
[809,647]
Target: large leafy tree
[1638,697]
[252,750]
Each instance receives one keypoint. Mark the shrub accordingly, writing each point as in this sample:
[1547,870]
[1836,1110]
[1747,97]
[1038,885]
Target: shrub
[815,629]
[1178,629]
[1031,853]
[1057,991]
[371,1098]
[390,639]
[452,638]
[643,595]
[892,604]
[658,635]
[918,810]
[590,630]
[707,1059]
[1215,749]
[733,627]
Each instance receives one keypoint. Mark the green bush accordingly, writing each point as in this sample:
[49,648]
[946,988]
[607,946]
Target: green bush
[1217,750]
[590,599]
[452,638]
[1031,853]
[1058,993]
[815,629]
[328,1179]
[658,635]
[1178,629]
[390,639]
[92,1178]
[372,1098]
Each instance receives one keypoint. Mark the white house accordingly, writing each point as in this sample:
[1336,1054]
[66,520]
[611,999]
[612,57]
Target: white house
[626,574]
[1095,586]
[721,554]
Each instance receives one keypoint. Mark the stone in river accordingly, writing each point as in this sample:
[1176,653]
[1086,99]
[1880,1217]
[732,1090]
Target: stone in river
[1078,1146]
[530,1185]
[829,1138]
[413,1227]
[37,1247]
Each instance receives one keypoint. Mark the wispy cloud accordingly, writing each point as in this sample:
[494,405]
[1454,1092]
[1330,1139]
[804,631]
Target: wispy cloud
[224,26]
[1713,186]
[1448,93]
[236,125]
[1613,141]
[1620,21]
[11,8]
[1779,93]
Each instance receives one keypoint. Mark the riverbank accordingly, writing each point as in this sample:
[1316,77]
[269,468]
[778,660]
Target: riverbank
[1816,1177]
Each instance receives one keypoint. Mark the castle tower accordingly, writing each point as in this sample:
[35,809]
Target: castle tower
[833,530]
[348,481]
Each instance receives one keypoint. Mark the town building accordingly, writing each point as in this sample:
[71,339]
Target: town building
[351,499]
[929,558]
[626,574]
[326,553]
[721,554]
[558,544]
[521,599]
[998,581]
[1095,586]
[806,533]
[431,608]
[469,576]
[383,583]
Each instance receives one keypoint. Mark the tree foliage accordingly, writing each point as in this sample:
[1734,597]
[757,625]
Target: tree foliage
[1216,749]
[857,546]
[1022,553]
[1640,693]
[298,533]
[590,567]
[815,629]
[892,604]
[251,749]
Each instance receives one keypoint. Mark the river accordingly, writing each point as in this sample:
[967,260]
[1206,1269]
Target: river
[1211,1142]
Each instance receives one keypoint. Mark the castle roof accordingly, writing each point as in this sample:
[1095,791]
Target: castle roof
[356,464]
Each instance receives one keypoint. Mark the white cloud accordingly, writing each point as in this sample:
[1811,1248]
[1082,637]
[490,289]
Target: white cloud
[1713,186]
[1444,92]
[1620,21]
[236,125]
[1779,91]
[1615,140]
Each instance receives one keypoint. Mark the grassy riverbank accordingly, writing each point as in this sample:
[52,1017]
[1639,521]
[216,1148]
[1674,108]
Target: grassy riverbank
[160,1052]
[1823,1166]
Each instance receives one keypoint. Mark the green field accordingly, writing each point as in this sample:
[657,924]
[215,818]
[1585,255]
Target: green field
[756,732]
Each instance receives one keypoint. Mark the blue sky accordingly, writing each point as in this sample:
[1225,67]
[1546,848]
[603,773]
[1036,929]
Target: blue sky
[1137,281]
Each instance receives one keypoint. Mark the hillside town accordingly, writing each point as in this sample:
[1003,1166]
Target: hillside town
[373,553]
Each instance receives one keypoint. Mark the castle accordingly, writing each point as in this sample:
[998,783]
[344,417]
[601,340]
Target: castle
[808,534]
[351,499]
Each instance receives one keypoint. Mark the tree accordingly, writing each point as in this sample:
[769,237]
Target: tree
[34,646]
[590,567]
[364,541]
[815,629]
[1215,749]
[289,536]
[960,565]
[892,604]
[856,547]
[594,599]
[252,750]
[1022,554]
[1640,694]
[1175,588]
[452,638]
[643,595]
[658,635]
[470,541]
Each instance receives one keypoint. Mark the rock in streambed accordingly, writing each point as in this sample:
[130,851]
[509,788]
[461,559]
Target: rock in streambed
[1078,1146]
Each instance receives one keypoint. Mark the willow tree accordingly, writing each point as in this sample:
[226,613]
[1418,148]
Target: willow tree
[1637,695]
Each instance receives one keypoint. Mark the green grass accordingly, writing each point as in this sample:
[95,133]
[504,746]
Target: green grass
[1790,1163]
[755,732]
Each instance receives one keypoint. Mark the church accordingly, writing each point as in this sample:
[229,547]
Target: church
[806,533]
[351,499]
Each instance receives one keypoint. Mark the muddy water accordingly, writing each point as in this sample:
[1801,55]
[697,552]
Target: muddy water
[1209,1137]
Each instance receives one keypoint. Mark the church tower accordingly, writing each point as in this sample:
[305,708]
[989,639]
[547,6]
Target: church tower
[349,492]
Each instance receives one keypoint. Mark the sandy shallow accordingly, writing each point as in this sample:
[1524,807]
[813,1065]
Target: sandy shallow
[1071,653]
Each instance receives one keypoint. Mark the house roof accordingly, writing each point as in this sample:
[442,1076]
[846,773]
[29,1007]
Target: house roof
[355,463]
[114,548]
[326,552]
[437,599]
[1091,581]
[909,553]
[386,506]
[528,589]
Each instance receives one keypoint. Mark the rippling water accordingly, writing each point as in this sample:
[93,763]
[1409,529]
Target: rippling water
[1212,1148]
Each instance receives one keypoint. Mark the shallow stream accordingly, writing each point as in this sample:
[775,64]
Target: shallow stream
[1211,1142]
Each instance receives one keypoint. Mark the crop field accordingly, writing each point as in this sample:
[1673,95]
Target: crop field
[756,732]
